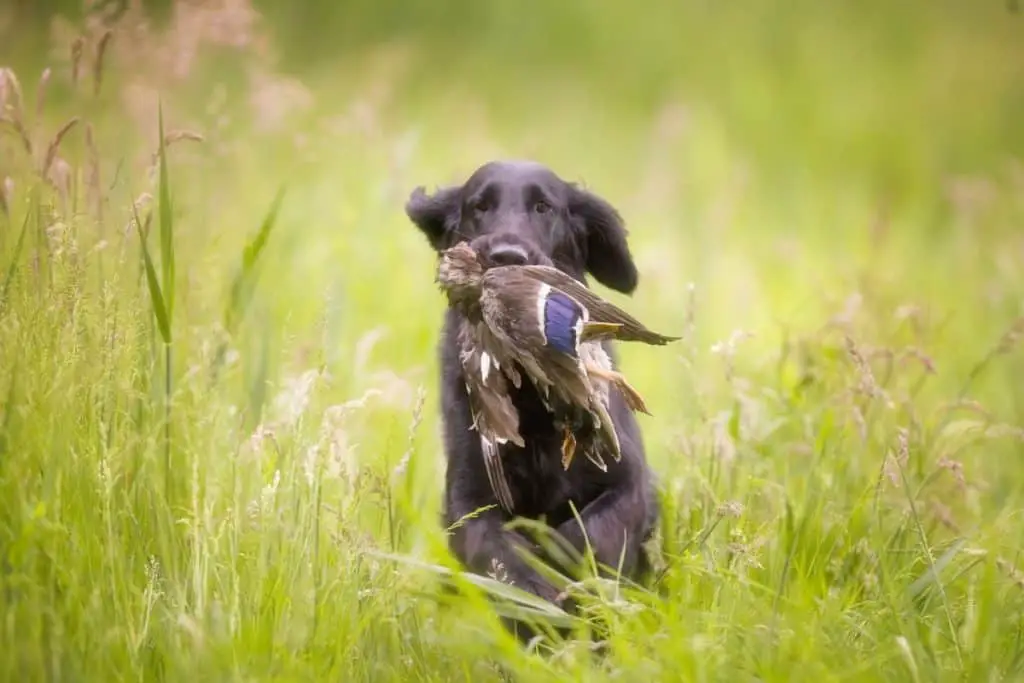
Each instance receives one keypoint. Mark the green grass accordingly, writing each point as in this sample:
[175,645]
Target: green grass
[219,428]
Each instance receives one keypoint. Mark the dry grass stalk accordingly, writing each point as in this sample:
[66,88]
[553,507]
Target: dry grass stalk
[16,124]
[1011,337]
[417,418]
[11,109]
[944,516]
[956,468]
[867,385]
[44,82]
[59,177]
[926,361]
[10,92]
[51,150]
[177,135]
[861,423]
[895,462]
[1007,343]
[76,59]
[97,66]
[95,192]
[169,139]
[1011,571]
[690,326]
[6,196]
[141,202]
[968,405]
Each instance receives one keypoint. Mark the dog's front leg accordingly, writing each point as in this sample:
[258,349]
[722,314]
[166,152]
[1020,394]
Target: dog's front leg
[478,537]
[614,526]
[486,548]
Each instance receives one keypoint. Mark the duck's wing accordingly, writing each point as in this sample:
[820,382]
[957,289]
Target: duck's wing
[574,387]
[496,474]
[511,304]
[543,323]
[497,345]
[606,320]
[494,415]
[568,379]
[607,428]
[530,315]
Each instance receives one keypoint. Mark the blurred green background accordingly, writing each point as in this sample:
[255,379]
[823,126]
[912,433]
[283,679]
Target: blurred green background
[812,169]
[772,130]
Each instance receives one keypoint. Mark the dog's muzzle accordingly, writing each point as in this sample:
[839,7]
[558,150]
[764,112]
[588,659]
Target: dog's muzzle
[507,254]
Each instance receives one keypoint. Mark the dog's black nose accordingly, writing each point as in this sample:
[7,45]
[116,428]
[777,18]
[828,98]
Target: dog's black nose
[508,255]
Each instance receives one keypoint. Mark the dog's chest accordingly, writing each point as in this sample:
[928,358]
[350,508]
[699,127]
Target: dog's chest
[539,483]
[536,478]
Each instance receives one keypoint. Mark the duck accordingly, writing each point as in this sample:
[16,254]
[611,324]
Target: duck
[539,321]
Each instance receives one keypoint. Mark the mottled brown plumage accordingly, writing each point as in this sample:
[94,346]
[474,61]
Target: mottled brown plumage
[540,321]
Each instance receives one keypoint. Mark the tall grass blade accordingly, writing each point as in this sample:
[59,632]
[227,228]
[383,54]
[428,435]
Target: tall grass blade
[8,406]
[526,604]
[156,296]
[245,279]
[166,224]
[12,267]
[931,575]
[167,264]
[257,381]
[244,282]
[933,569]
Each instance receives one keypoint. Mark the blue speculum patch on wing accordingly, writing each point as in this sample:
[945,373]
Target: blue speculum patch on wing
[561,314]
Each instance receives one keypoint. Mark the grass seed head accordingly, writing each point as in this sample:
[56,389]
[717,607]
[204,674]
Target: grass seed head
[170,138]
[59,176]
[1014,574]
[44,82]
[97,65]
[10,93]
[77,47]
[11,107]
[866,383]
[54,146]
[1011,337]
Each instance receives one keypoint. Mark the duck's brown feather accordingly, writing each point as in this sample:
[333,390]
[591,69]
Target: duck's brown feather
[494,415]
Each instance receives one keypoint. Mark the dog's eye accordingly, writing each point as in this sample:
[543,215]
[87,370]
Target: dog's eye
[482,206]
[541,206]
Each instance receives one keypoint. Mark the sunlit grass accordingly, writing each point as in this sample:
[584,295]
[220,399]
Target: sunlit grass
[219,444]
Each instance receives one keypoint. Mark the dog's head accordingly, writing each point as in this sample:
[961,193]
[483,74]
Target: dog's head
[517,212]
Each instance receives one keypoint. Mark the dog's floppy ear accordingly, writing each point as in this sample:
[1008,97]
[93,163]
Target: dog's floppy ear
[436,215]
[606,252]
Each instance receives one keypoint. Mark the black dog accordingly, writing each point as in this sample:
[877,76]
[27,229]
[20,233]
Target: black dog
[519,213]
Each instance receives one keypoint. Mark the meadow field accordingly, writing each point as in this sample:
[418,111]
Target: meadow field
[219,429]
